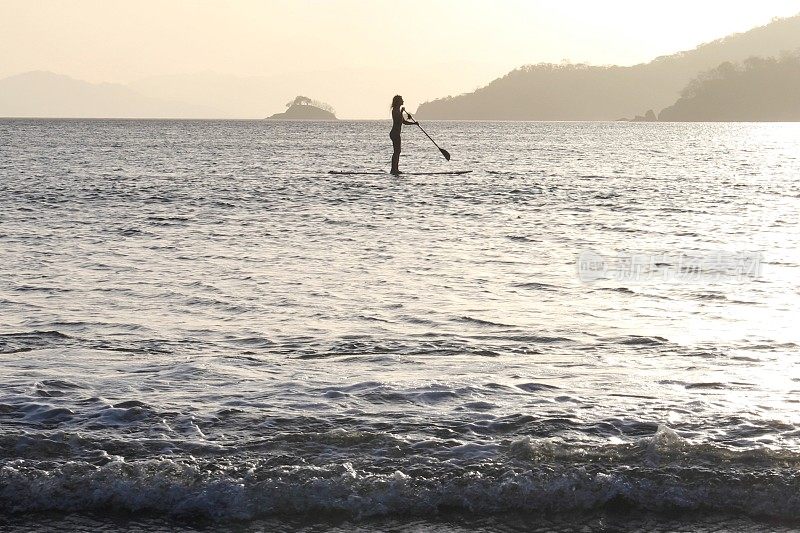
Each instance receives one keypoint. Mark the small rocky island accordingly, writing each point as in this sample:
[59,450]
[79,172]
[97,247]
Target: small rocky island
[304,108]
[650,116]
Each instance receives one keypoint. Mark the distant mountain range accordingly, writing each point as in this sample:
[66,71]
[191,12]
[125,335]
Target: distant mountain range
[213,95]
[533,92]
[44,94]
[760,89]
[583,92]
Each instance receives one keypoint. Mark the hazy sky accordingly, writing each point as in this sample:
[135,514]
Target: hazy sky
[459,43]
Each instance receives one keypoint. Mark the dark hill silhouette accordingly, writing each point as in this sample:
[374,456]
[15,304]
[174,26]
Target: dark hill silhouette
[45,94]
[757,90]
[304,108]
[583,92]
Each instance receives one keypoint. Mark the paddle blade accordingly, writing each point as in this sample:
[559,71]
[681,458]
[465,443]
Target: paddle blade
[445,153]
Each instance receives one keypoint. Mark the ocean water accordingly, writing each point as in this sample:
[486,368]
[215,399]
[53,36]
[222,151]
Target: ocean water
[202,329]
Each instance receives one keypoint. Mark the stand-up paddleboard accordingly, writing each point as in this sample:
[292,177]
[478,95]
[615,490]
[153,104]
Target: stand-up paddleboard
[358,173]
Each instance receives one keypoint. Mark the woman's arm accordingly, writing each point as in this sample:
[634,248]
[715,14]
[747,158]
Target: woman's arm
[411,122]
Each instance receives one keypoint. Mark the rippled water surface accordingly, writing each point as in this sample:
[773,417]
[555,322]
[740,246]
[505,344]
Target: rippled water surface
[199,322]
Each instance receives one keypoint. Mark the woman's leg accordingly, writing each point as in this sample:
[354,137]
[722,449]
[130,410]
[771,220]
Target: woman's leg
[396,154]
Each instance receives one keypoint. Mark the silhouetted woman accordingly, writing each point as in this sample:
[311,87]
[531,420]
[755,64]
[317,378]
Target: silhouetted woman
[394,135]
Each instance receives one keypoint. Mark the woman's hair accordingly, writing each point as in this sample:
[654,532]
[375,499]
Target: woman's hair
[396,101]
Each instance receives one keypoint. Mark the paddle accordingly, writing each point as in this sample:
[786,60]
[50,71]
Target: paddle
[445,153]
